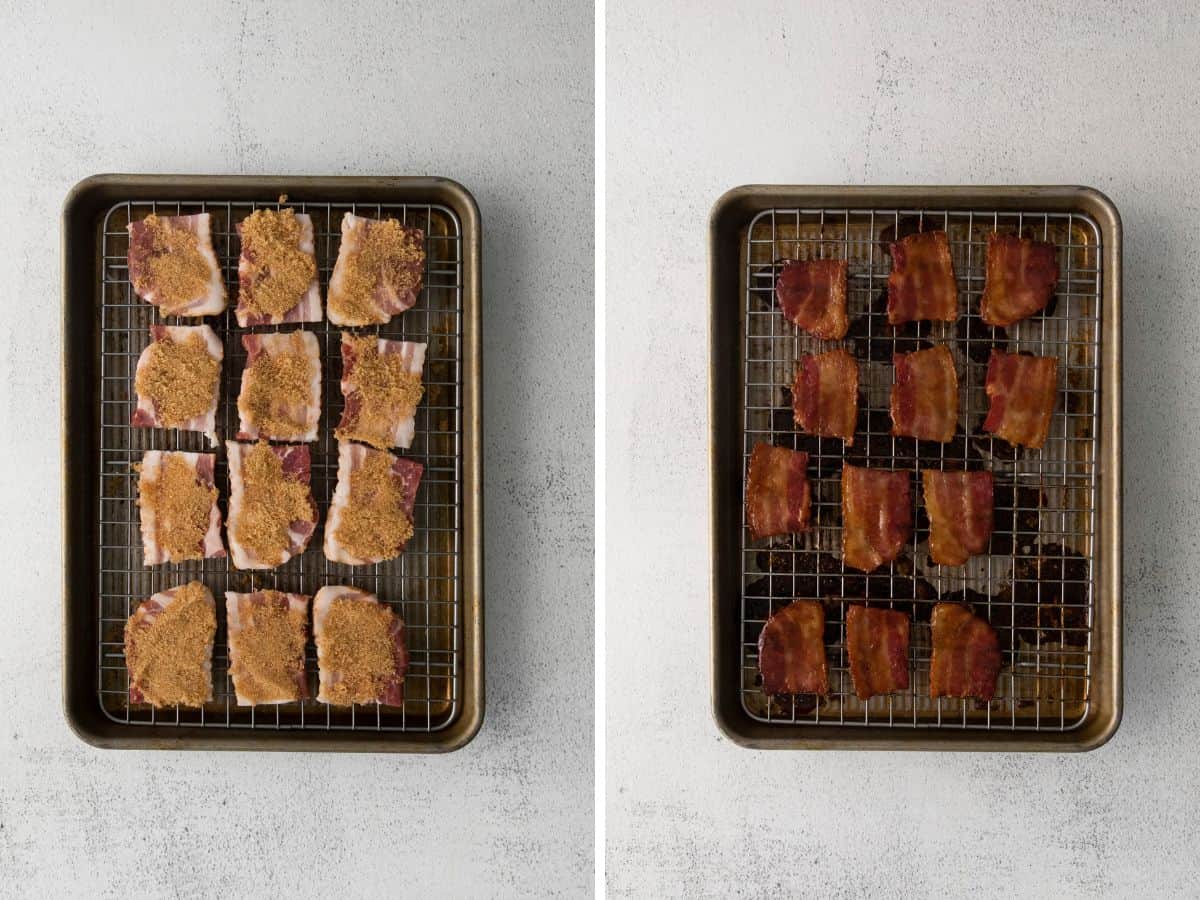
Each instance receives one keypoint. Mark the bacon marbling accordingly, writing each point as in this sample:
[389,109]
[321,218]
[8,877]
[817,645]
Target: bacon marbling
[791,651]
[1021,276]
[877,644]
[825,394]
[876,516]
[777,491]
[966,654]
[1022,390]
[398,283]
[924,401]
[921,285]
[142,250]
[812,295]
[960,507]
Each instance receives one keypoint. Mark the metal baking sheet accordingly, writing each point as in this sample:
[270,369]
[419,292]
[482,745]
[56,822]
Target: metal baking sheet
[1050,583]
[435,586]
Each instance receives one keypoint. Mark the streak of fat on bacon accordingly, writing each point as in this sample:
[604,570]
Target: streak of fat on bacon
[960,507]
[141,249]
[203,465]
[791,651]
[921,285]
[1021,277]
[924,401]
[777,491]
[1022,390]
[825,394]
[966,654]
[877,644]
[876,516]
[812,296]
[145,415]
[239,604]
[392,693]
[297,466]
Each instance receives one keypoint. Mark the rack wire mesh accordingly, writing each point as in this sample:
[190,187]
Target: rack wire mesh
[1035,583]
[423,586]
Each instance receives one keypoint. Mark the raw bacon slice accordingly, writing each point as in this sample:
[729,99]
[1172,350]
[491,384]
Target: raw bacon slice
[267,636]
[925,395]
[371,515]
[361,654]
[1022,390]
[791,651]
[777,492]
[178,504]
[876,516]
[877,643]
[825,394]
[378,272]
[966,654]
[960,514]
[812,295]
[381,384]
[280,397]
[1021,275]
[921,285]
[272,515]
[178,380]
[168,647]
[277,269]
[172,265]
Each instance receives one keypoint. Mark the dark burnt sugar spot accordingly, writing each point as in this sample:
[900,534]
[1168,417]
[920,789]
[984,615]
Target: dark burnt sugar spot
[1050,591]
[979,338]
[1015,512]
[874,340]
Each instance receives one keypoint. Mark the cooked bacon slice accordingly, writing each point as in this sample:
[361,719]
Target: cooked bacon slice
[361,654]
[172,265]
[168,647]
[272,515]
[960,514]
[877,643]
[966,654]
[921,285]
[925,395]
[777,492]
[812,295]
[1021,275]
[825,394]
[876,516]
[280,397]
[381,384]
[267,636]
[378,273]
[277,269]
[178,505]
[791,651]
[175,373]
[1022,390]
[371,515]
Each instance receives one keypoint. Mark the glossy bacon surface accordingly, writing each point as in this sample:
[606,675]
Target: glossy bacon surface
[925,396]
[1022,390]
[921,285]
[812,295]
[791,651]
[777,491]
[825,394]
[960,507]
[877,643]
[1021,276]
[966,654]
[876,516]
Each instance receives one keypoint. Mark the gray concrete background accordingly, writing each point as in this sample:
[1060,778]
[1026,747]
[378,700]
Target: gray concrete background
[498,97]
[699,101]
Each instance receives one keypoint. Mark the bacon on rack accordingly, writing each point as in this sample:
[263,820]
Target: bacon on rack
[825,394]
[172,265]
[177,500]
[272,273]
[812,295]
[877,644]
[267,635]
[371,514]
[921,284]
[168,647]
[791,651]
[966,654]
[925,396]
[157,413]
[876,516]
[280,397]
[1021,276]
[379,271]
[381,386]
[777,491]
[1022,390]
[960,514]
[272,515]
[361,652]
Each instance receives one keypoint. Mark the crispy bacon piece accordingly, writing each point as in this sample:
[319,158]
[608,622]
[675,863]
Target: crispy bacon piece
[168,517]
[791,651]
[812,295]
[921,285]
[147,414]
[966,654]
[777,492]
[172,265]
[960,514]
[172,666]
[378,273]
[877,643]
[1022,390]
[876,516]
[925,395]
[296,465]
[825,394]
[405,475]
[373,412]
[267,634]
[275,402]
[385,684]
[1021,275]
[253,271]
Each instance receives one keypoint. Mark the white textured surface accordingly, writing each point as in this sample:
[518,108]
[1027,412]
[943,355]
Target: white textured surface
[497,97]
[1101,94]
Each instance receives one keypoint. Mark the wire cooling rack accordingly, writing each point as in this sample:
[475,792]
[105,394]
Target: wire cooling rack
[1035,585]
[423,586]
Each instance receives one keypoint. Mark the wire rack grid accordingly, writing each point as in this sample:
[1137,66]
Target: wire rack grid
[423,586]
[1034,585]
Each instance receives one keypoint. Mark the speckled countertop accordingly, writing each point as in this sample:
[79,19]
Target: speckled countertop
[1106,94]
[499,98]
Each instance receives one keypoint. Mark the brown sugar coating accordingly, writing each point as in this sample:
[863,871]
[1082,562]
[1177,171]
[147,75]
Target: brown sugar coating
[389,252]
[280,271]
[270,503]
[278,393]
[182,505]
[176,269]
[167,658]
[358,646]
[374,524]
[384,392]
[270,648]
[180,379]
